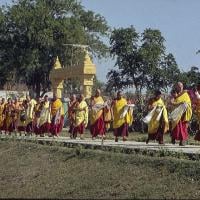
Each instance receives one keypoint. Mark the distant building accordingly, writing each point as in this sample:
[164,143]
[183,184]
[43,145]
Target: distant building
[12,94]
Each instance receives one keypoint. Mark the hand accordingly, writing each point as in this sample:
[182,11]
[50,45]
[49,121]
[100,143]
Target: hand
[172,101]
[85,125]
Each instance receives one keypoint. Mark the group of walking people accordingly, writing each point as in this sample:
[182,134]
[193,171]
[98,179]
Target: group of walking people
[42,116]
[175,117]
[165,116]
[98,115]
[31,116]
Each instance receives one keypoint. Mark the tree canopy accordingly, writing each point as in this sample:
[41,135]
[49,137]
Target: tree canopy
[33,33]
[141,60]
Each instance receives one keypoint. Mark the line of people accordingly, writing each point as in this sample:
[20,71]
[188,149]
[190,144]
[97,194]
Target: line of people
[120,112]
[30,116]
[47,117]
[180,106]
[99,114]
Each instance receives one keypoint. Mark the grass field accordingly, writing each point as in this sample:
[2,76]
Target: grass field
[35,171]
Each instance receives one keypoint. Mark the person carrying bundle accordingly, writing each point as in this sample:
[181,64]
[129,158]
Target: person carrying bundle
[121,117]
[181,115]
[157,118]
[97,125]
[57,116]
[81,117]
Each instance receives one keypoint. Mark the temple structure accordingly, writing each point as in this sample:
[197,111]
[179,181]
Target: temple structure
[84,73]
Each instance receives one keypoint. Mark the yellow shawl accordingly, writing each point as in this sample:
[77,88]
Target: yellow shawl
[183,98]
[2,106]
[55,106]
[96,115]
[117,111]
[45,114]
[30,111]
[81,113]
[154,124]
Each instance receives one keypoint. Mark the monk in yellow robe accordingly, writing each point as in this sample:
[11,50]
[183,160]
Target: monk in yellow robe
[9,117]
[30,114]
[81,117]
[108,117]
[45,117]
[71,113]
[181,115]
[37,112]
[120,121]
[2,116]
[57,116]
[21,123]
[16,105]
[97,125]
[158,123]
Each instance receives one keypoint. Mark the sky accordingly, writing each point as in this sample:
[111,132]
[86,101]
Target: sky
[178,21]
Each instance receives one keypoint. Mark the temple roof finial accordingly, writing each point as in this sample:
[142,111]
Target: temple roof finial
[57,64]
[87,59]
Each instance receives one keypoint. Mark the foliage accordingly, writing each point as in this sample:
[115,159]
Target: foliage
[141,61]
[98,85]
[71,86]
[190,78]
[34,33]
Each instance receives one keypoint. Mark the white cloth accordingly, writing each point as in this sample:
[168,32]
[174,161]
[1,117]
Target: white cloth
[98,107]
[174,115]
[149,116]
[197,95]
[125,110]
[58,116]
[159,115]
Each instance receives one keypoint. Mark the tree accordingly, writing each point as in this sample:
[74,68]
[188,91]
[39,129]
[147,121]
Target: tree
[190,77]
[71,86]
[124,47]
[98,85]
[165,75]
[141,61]
[36,31]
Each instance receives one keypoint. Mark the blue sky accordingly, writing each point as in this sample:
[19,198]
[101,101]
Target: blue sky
[178,20]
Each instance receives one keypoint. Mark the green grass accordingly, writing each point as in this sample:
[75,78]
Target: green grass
[36,171]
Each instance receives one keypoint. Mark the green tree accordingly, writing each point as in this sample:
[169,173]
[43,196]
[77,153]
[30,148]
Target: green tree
[190,77]
[36,31]
[98,85]
[165,74]
[124,48]
[141,61]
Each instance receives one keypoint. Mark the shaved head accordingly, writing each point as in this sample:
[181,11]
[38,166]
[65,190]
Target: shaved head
[179,87]
[98,92]
[119,95]
[55,96]
[81,97]
[73,97]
